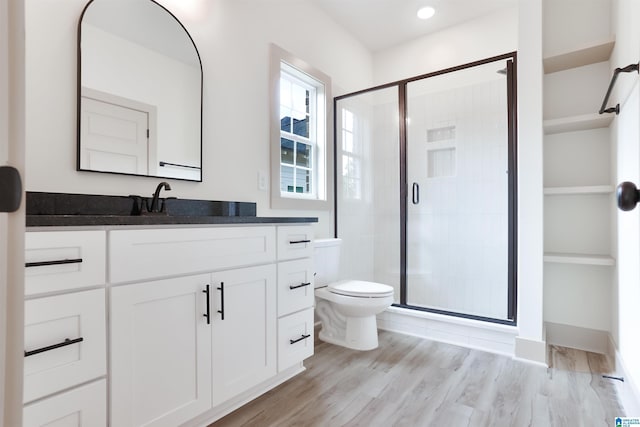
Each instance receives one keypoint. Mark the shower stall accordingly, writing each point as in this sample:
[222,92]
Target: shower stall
[426,188]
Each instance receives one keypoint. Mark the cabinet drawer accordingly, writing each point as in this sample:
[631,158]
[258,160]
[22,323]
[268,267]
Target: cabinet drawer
[295,338]
[53,320]
[295,286]
[295,242]
[84,406]
[146,254]
[60,260]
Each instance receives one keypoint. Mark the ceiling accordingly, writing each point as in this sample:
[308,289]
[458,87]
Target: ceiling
[380,24]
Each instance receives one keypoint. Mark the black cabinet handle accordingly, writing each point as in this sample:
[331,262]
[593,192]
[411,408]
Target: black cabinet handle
[54,262]
[295,242]
[628,196]
[303,337]
[221,311]
[415,196]
[207,315]
[65,343]
[301,285]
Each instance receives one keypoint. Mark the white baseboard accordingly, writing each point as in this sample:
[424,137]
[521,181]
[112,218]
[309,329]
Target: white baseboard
[628,391]
[592,340]
[531,351]
[485,336]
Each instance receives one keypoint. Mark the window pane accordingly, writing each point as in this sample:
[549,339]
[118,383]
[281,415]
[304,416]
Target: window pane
[286,179]
[347,141]
[285,119]
[285,93]
[300,96]
[301,127]
[347,120]
[303,155]
[303,181]
[286,151]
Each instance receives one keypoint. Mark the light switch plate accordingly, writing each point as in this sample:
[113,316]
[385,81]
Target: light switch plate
[263,181]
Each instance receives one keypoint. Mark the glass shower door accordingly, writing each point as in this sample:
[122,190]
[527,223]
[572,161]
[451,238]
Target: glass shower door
[459,198]
[367,186]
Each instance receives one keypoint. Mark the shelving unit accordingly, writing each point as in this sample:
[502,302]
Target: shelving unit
[590,53]
[578,265]
[577,123]
[575,190]
[580,259]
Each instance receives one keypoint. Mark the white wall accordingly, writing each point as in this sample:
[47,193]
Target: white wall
[233,37]
[491,35]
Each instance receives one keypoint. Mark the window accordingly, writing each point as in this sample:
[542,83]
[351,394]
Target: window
[351,174]
[297,134]
[300,151]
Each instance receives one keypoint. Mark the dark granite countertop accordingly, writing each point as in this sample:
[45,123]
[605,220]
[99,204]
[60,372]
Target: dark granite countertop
[61,210]
[88,220]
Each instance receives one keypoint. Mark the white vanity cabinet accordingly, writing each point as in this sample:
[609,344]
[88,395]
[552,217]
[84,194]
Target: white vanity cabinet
[200,321]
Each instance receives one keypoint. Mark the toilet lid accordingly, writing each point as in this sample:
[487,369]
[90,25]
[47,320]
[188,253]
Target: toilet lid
[359,288]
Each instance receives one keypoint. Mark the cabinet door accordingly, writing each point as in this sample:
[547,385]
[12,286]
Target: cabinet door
[160,352]
[244,342]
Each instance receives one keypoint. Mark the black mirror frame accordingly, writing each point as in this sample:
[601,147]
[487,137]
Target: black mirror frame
[79,91]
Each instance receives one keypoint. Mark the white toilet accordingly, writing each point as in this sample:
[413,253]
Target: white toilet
[346,308]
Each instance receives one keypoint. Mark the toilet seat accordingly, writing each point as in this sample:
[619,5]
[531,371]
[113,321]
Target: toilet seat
[360,289]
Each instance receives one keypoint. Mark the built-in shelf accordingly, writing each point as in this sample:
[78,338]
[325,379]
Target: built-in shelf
[590,189]
[582,259]
[583,55]
[576,123]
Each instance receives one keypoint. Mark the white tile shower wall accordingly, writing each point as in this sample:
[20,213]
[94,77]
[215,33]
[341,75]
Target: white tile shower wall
[458,258]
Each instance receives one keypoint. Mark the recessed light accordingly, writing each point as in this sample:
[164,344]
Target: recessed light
[426,12]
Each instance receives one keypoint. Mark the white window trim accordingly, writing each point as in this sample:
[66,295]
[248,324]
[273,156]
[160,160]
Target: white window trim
[324,152]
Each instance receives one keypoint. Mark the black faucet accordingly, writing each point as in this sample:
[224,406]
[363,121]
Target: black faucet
[155,202]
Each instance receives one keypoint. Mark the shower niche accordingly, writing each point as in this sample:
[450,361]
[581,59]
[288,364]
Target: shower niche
[426,181]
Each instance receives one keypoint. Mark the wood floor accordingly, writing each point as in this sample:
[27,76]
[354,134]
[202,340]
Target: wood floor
[410,381]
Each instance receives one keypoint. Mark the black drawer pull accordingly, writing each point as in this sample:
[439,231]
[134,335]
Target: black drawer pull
[303,337]
[221,311]
[56,262]
[65,343]
[301,285]
[207,315]
[295,242]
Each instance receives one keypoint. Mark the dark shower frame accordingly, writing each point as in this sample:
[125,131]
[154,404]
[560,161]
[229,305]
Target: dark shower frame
[512,144]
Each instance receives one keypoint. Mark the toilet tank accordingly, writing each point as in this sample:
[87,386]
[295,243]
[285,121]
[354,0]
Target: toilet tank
[326,259]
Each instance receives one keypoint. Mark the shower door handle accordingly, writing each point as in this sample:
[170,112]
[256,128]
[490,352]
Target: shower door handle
[415,196]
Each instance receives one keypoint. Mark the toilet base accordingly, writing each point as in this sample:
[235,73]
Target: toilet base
[357,333]
[364,338]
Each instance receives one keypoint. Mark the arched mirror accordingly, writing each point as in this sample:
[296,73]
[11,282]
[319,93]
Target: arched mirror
[139,92]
